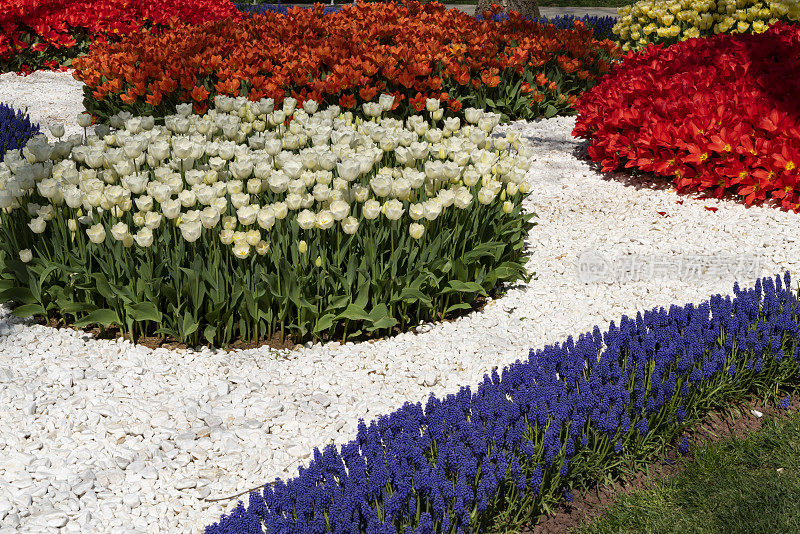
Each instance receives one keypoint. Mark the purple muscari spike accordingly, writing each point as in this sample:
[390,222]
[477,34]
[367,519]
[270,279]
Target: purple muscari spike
[239,521]
[683,448]
[680,414]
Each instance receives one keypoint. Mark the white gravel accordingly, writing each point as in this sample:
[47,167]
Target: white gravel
[102,436]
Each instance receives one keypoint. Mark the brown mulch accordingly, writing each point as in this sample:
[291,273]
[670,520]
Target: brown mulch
[715,427]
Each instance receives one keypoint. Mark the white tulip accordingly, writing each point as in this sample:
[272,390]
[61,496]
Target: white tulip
[57,130]
[247,215]
[416,230]
[393,209]
[273,147]
[241,250]
[386,101]
[432,208]
[280,209]
[350,225]
[262,248]
[446,197]
[220,204]
[278,182]
[240,199]
[191,230]
[463,199]
[252,237]
[96,233]
[416,211]
[293,201]
[72,197]
[171,208]
[254,186]
[72,224]
[152,220]
[266,217]
[205,194]
[144,237]
[381,185]
[324,220]
[486,195]
[339,209]
[209,217]
[306,219]
[348,170]
[25,255]
[37,225]
[138,219]
[119,231]
[226,236]
[85,120]
[372,208]
[187,198]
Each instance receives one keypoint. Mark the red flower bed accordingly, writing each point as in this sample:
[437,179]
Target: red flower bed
[517,67]
[720,115]
[46,33]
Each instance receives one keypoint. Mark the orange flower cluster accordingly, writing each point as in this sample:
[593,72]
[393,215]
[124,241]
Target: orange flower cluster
[346,58]
[719,115]
[42,33]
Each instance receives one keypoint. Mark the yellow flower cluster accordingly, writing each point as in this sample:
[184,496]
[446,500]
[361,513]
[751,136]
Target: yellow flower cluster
[657,21]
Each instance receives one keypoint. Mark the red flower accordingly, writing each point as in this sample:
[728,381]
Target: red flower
[418,102]
[367,93]
[347,101]
[199,94]
[701,113]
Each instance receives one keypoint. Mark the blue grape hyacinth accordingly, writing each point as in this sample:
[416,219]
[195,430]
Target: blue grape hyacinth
[523,435]
[16,129]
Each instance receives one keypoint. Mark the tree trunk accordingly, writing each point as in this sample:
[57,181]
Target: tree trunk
[527,8]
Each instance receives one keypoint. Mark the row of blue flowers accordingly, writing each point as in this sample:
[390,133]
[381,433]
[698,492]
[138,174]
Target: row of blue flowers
[16,129]
[601,25]
[571,415]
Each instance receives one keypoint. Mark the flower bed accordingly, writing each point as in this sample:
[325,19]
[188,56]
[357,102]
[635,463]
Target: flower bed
[571,415]
[16,129]
[241,223]
[656,21]
[718,115]
[37,34]
[347,58]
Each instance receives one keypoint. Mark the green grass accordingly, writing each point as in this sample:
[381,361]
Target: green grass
[730,487]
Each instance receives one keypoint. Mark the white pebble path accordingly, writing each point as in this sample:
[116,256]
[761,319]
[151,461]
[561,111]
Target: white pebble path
[105,436]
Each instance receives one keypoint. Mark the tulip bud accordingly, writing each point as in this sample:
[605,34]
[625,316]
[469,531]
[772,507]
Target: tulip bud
[416,230]
[57,130]
[84,120]
[25,255]
[302,247]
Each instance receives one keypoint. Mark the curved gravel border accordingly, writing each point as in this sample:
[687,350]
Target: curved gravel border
[99,435]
